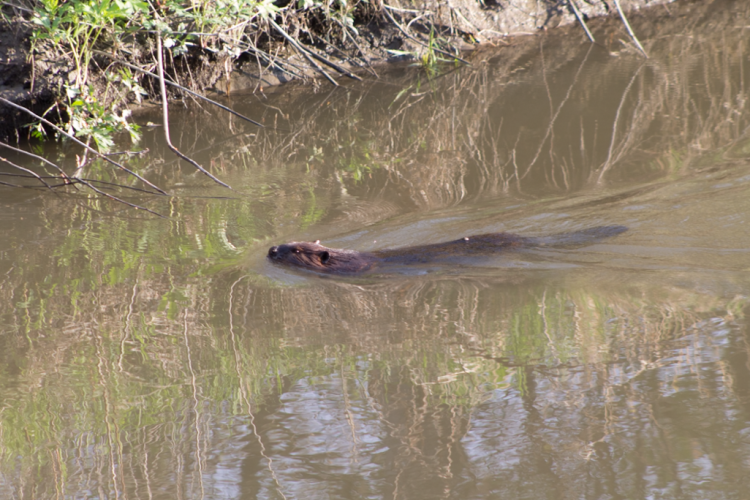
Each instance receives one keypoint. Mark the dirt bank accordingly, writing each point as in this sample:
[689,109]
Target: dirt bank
[298,44]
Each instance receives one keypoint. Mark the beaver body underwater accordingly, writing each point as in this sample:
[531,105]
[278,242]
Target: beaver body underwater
[318,258]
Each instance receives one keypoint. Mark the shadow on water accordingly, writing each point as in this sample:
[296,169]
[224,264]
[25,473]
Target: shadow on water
[150,358]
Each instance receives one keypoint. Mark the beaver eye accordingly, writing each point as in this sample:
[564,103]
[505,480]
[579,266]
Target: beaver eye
[324,256]
[296,250]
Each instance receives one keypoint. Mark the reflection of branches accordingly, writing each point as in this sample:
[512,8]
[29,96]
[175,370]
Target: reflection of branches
[555,113]
[245,392]
[480,130]
[608,162]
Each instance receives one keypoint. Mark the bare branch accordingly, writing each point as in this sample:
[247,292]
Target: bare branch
[199,96]
[165,116]
[630,30]
[72,138]
[579,16]
[19,167]
[301,50]
[45,160]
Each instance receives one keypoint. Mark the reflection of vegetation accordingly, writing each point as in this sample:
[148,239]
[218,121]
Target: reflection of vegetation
[138,371]
[516,124]
[138,351]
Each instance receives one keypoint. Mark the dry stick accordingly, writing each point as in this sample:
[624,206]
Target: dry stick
[145,72]
[73,180]
[344,56]
[579,16]
[19,167]
[100,155]
[361,52]
[3,183]
[69,181]
[45,160]
[333,65]
[630,30]
[120,186]
[608,162]
[269,58]
[165,115]
[301,50]
[120,200]
[420,42]
[77,180]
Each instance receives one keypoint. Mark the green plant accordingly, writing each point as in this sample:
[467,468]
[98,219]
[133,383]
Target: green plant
[77,26]
[90,119]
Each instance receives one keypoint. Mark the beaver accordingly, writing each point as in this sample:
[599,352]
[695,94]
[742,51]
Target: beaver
[318,258]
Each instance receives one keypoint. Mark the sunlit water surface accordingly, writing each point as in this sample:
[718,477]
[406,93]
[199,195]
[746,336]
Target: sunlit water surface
[146,357]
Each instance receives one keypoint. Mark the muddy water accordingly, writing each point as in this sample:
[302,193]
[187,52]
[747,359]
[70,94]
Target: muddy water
[147,357]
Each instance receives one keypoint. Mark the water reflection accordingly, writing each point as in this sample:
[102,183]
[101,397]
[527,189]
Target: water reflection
[150,358]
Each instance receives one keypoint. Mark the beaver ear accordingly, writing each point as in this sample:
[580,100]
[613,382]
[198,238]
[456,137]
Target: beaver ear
[324,256]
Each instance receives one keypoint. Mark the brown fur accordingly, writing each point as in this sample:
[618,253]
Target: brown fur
[316,257]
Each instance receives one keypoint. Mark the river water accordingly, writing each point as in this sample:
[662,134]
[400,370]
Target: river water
[161,358]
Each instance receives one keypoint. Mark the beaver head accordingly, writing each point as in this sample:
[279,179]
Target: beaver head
[318,258]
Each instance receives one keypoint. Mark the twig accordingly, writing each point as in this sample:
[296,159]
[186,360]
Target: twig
[301,50]
[71,181]
[24,9]
[165,115]
[420,42]
[579,16]
[19,167]
[128,153]
[333,65]
[3,183]
[45,160]
[270,59]
[72,138]
[75,181]
[630,30]
[120,200]
[196,94]
[410,11]
[344,54]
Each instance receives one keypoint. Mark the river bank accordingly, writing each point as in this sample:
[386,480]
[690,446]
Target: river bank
[54,58]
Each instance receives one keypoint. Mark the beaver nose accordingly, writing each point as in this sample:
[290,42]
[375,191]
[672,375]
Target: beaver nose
[272,252]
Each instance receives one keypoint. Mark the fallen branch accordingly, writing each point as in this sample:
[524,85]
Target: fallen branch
[41,158]
[119,200]
[333,65]
[19,167]
[271,60]
[165,115]
[72,138]
[69,181]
